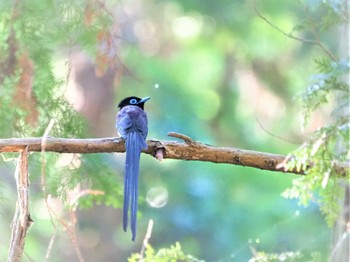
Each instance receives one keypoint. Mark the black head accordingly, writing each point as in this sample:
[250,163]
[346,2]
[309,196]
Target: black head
[133,101]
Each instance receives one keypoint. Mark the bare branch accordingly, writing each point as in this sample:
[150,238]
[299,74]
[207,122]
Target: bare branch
[297,38]
[146,239]
[21,220]
[194,151]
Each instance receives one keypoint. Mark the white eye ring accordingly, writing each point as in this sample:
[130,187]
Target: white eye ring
[133,101]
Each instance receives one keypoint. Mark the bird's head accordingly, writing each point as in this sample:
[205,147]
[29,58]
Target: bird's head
[133,101]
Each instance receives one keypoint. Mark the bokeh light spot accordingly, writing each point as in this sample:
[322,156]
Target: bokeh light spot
[157,197]
[186,27]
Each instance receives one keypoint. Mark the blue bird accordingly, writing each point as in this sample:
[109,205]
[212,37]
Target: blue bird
[132,126]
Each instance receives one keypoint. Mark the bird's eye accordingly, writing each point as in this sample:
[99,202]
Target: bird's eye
[133,101]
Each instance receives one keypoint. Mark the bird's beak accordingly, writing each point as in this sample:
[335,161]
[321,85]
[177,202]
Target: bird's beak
[143,100]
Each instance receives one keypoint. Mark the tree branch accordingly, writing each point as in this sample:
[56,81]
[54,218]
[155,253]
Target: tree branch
[189,150]
[21,220]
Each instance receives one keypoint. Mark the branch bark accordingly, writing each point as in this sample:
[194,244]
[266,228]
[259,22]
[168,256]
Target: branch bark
[21,220]
[187,150]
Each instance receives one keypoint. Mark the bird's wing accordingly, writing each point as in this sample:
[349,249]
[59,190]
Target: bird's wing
[142,126]
[123,123]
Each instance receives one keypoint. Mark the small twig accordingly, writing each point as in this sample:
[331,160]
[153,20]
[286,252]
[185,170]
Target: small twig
[69,65]
[43,147]
[43,186]
[28,257]
[49,248]
[146,239]
[273,135]
[159,154]
[187,139]
[43,167]
[73,236]
[74,202]
[303,40]
[71,227]
[253,250]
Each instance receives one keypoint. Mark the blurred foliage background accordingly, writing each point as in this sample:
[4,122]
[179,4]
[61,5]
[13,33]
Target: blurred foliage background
[217,71]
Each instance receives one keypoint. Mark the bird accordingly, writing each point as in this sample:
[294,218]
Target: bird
[132,125]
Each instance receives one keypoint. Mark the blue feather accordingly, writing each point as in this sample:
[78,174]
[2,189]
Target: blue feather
[134,144]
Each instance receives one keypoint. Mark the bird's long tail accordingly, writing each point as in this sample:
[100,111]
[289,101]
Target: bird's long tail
[134,144]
